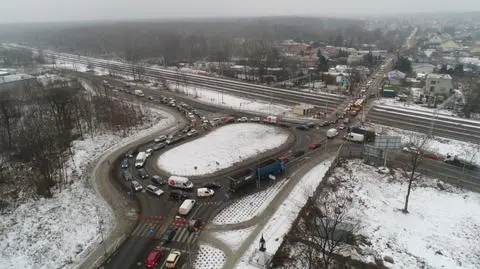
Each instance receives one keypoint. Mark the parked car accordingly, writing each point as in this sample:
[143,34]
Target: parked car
[192,132]
[131,153]
[283,159]
[159,146]
[125,163]
[255,119]
[299,153]
[149,152]
[153,257]
[142,173]
[158,180]
[212,185]
[154,190]
[136,186]
[173,258]
[310,125]
[150,98]
[186,129]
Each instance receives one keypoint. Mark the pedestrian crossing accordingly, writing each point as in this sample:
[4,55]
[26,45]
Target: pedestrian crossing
[153,230]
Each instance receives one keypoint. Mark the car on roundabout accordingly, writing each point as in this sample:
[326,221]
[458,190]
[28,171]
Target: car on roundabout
[212,185]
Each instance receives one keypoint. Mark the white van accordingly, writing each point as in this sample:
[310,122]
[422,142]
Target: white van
[140,160]
[186,206]
[331,133]
[205,192]
[179,182]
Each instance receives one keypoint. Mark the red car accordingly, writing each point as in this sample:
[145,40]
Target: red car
[283,158]
[153,256]
[313,146]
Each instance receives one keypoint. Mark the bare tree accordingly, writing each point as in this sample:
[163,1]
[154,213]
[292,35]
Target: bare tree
[9,111]
[322,230]
[417,144]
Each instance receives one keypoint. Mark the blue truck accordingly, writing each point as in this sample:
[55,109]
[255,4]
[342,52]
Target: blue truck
[260,172]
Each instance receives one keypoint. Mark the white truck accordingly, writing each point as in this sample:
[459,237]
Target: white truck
[354,137]
[140,159]
[205,192]
[332,132]
[179,182]
[186,207]
[139,93]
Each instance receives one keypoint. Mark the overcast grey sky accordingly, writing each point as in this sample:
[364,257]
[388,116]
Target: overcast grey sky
[68,10]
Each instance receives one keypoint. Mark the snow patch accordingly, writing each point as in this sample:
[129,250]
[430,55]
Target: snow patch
[209,257]
[234,238]
[441,231]
[221,149]
[249,206]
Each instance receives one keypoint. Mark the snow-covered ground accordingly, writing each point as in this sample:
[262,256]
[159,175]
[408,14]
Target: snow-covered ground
[408,106]
[55,233]
[235,102]
[234,238]
[249,206]
[464,150]
[209,257]
[441,230]
[281,222]
[221,149]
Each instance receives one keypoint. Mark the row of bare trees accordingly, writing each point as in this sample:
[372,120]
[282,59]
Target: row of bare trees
[39,123]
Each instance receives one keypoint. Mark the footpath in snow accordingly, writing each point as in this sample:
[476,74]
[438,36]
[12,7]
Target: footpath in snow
[221,149]
[55,233]
[281,221]
[441,230]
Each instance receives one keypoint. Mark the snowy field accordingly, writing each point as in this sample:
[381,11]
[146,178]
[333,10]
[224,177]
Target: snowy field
[57,232]
[408,106]
[221,149]
[235,102]
[209,257]
[248,207]
[466,151]
[234,238]
[281,221]
[441,231]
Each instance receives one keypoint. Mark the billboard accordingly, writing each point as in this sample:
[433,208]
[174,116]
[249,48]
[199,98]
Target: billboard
[388,142]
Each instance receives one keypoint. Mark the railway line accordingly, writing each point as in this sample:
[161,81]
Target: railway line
[418,122]
[214,83]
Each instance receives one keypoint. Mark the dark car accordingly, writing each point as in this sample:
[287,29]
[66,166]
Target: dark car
[302,127]
[125,164]
[212,185]
[127,175]
[178,195]
[158,180]
[299,153]
[142,173]
[131,153]
[159,146]
[169,235]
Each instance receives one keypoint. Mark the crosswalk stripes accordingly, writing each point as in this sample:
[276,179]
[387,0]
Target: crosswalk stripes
[183,235]
[146,229]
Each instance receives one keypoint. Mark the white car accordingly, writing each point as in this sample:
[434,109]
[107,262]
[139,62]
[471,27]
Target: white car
[136,186]
[205,192]
[154,190]
[149,152]
[256,119]
[192,132]
[243,119]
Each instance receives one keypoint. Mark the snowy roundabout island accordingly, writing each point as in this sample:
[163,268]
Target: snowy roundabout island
[221,149]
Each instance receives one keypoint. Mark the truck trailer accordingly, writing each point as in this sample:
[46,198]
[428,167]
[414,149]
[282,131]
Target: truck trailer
[369,133]
[262,171]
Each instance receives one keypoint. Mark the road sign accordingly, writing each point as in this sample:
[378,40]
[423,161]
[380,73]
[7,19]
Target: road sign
[388,142]
[151,230]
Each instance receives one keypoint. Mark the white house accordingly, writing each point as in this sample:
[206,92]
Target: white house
[438,84]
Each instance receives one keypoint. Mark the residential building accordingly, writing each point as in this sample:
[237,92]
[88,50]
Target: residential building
[424,68]
[449,46]
[438,84]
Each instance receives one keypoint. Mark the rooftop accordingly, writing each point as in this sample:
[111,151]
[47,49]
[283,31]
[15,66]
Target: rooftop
[439,76]
[12,78]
